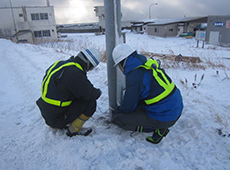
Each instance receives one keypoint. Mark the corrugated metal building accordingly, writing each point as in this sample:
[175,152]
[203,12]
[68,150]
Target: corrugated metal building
[218,30]
[174,26]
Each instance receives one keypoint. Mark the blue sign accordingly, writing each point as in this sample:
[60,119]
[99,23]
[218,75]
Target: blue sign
[218,24]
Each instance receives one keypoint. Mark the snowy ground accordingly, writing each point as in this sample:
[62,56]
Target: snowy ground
[199,140]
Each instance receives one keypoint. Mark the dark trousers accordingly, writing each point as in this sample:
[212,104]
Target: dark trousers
[130,121]
[60,117]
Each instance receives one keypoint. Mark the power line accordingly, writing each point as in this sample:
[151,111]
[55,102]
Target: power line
[73,6]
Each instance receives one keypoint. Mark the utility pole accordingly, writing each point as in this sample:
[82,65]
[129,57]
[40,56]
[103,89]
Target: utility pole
[113,38]
[15,29]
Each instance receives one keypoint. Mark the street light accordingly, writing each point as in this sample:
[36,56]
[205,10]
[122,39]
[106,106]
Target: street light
[150,9]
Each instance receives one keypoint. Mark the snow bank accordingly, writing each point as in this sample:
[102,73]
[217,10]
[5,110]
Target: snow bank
[199,140]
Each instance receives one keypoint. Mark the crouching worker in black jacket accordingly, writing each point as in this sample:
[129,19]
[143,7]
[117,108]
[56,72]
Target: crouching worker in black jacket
[68,98]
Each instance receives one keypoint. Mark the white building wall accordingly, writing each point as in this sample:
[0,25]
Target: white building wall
[169,30]
[22,21]
[100,13]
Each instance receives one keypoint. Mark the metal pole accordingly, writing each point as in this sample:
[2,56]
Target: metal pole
[112,29]
[150,9]
[15,29]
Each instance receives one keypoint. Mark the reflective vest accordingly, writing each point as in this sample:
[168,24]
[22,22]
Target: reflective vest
[49,86]
[162,81]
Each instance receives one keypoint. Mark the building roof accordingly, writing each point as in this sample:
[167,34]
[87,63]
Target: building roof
[165,21]
[27,7]
[137,25]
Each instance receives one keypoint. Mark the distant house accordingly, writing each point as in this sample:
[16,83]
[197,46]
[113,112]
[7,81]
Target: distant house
[28,23]
[218,30]
[174,26]
[140,26]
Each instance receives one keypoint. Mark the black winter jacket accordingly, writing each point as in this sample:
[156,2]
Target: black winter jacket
[72,85]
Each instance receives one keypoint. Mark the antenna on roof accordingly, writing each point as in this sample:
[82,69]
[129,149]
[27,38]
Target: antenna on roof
[48,2]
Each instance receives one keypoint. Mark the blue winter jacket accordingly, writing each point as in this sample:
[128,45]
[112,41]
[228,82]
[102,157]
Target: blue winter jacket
[140,86]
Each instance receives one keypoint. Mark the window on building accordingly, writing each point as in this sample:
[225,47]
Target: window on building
[39,16]
[37,33]
[44,16]
[43,33]
[171,30]
[35,16]
[46,33]
[156,29]
[20,15]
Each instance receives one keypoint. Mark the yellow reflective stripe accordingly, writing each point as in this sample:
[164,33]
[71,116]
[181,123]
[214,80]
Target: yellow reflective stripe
[56,102]
[63,104]
[168,87]
[161,96]
[159,80]
[150,62]
[48,72]
[59,68]
[47,81]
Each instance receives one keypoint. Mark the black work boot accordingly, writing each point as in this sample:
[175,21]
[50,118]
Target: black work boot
[158,135]
[85,131]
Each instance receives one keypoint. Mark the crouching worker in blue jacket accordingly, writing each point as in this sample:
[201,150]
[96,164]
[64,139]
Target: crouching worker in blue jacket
[152,102]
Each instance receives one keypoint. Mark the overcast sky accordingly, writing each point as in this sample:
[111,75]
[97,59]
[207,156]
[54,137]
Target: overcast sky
[82,11]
